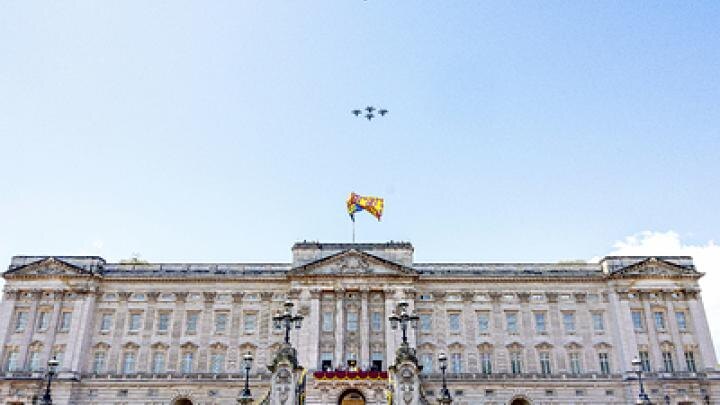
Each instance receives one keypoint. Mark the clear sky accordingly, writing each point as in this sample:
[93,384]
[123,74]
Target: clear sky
[221,131]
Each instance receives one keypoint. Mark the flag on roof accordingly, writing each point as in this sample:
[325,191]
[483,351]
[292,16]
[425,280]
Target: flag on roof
[357,203]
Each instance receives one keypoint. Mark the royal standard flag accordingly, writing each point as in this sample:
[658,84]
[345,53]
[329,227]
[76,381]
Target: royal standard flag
[373,205]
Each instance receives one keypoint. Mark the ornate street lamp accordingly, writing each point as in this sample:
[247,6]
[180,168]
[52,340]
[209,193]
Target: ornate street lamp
[287,319]
[445,398]
[667,399]
[246,396]
[642,396]
[52,369]
[403,319]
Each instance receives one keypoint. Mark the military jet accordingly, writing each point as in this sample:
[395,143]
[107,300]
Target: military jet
[382,112]
[357,112]
[369,109]
[369,116]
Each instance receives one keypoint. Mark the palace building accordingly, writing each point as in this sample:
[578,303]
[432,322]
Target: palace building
[513,333]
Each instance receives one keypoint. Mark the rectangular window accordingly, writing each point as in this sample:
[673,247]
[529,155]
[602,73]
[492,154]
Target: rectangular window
[604,363]
[668,366]
[326,359]
[486,363]
[598,321]
[454,322]
[43,320]
[483,322]
[249,323]
[187,362]
[99,363]
[129,363]
[217,363]
[511,321]
[65,320]
[135,321]
[540,326]
[35,361]
[376,361]
[575,363]
[158,362]
[637,320]
[59,355]
[163,321]
[659,320]
[376,321]
[515,363]
[545,363]
[12,362]
[327,322]
[220,322]
[690,362]
[191,323]
[425,322]
[352,321]
[645,361]
[569,322]
[21,318]
[456,363]
[681,320]
[426,359]
[105,322]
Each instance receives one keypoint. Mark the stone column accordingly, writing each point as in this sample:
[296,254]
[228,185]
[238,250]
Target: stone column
[309,340]
[151,313]
[81,329]
[7,310]
[409,297]
[653,345]
[29,328]
[176,331]
[364,360]
[620,326]
[701,329]
[675,333]
[339,328]
[234,354]
[392,337]
[58,297]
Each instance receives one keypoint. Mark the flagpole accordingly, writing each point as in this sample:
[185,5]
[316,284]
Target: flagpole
[353,231]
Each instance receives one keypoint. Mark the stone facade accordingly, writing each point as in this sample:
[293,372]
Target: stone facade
[560,333]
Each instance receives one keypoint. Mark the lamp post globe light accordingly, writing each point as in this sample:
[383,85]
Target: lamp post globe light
[643,398]
[52,368]
[445,398]
[286,319]
[246,396]
[403,319]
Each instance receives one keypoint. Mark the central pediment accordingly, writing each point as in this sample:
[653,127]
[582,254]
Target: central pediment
[48,267]
[352,263]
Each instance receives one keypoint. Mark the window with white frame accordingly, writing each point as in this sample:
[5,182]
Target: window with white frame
[43,320]
[637,320]
[21,319]
[158,362]
[598,321]
[34,363]
[98,365]
[575,363]
[11,364]
[425,322]
[690,361]
[376,321]
[456,363]
[327,321]
[545,362]
[352,321]
[540,324]
[128,366]
[644,360]
[516,362]
[486,362]
[217,362]
[221,322]
[135,321]
[188,359]
[668,365]
[426,360]
[65,320]
[163,324]
[454,322]
[681,320]
[511,321]
[569,322]
[249,322]
[105,322]
[604,361]
[483,322]
[659,320]
[191,321]
[59,355]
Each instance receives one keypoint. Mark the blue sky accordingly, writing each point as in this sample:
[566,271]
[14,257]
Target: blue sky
[221,131]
